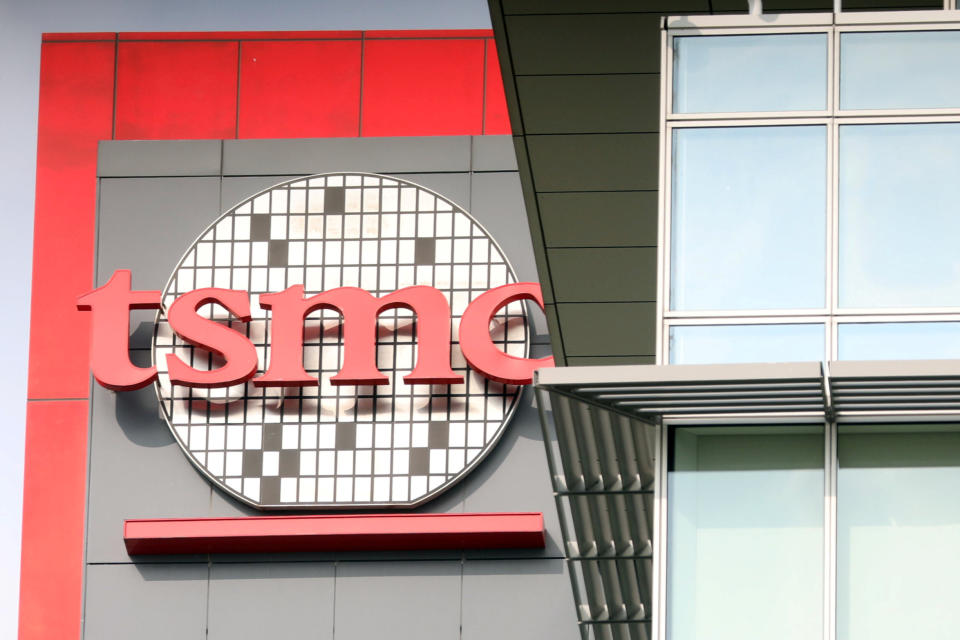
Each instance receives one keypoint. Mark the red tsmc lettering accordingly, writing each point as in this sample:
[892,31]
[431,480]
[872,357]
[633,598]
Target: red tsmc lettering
[480,351]
[109,344]
[233,346]
[111,305]
[359,309]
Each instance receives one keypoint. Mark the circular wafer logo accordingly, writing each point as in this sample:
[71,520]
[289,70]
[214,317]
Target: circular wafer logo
[328,445]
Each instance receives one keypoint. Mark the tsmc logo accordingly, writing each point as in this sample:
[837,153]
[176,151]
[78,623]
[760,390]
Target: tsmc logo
[111,305]
[340,340]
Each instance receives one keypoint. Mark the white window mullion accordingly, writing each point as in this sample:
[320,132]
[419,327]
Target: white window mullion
[830,532]
[659,603]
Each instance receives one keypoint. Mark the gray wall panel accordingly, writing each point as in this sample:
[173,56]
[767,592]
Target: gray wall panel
[493,153]
[608,328]
[599,219]
[582,84]
[146,224]
[386,155]
[594,162]
[398,600]
[583,43]
[145,602]
[604,274]
[589,104]
[121,158]
[276,601]
[527,599]
[137,470]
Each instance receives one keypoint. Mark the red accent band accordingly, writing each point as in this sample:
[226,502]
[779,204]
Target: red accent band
[417,34]
[76,106]
[242,35]
[79,37]
[351,532]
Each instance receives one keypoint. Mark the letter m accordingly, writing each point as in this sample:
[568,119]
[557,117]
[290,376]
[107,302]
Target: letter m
[360,310]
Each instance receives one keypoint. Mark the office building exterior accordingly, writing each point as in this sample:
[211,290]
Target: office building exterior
[731,227]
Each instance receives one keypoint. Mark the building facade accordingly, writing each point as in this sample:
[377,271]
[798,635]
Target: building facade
[146,141]
[680,483]
[740,220]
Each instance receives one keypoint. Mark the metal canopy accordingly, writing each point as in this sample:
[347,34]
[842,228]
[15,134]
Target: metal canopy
[601,427]
[905,388]
[842,389]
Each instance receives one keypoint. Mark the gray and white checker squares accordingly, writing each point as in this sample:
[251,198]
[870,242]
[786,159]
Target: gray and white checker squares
[346,446]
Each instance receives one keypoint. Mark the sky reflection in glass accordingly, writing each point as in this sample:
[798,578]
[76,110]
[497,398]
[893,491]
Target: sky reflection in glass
[898,533]
[716,344]
[745,541]
[900,70]
[784,72]
[899,215]
[749,218]
[899,341]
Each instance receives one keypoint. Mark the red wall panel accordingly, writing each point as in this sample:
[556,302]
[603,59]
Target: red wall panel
[79,37]
[496,120]
[408,34]
[299,89]
[176,90]
[76,110]
[54,495]
[237,35]
[422,87]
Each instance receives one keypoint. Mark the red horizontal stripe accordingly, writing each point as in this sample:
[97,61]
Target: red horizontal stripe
[430,33]
[240,35]
[341,532]
[78,37]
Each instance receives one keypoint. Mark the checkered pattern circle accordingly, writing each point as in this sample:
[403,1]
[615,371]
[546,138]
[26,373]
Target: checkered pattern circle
[341,446]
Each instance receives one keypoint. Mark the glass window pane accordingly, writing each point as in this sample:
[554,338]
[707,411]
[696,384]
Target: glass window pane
[748,218]
[745,533]
[898,215]
[783,72]
[899,341]
[709,344]
[900,70]
[898,520]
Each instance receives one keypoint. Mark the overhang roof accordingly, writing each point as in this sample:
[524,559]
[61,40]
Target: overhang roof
[602,444]
[841,389]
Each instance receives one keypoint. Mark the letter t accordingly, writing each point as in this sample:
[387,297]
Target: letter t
[109,349]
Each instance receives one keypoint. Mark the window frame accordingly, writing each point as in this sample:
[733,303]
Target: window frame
[834,26]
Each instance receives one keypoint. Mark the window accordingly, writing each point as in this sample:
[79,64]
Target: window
[746,533]
[734,73]
[898,532]
[811,209]
[749,218]
[706,344]
[836,531]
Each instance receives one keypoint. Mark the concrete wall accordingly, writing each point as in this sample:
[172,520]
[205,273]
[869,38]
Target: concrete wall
[154,199]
